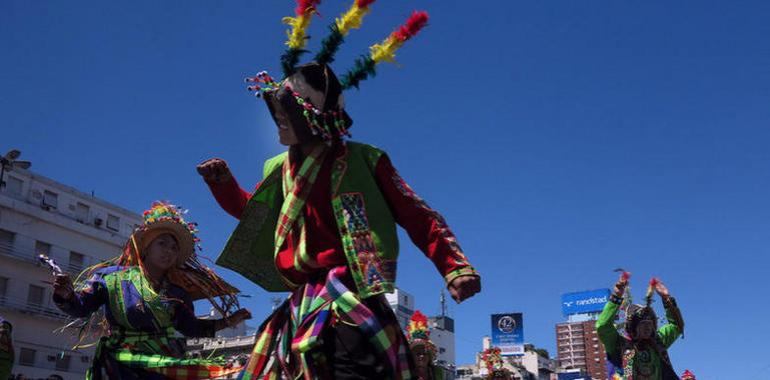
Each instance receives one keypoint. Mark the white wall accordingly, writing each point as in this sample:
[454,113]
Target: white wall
[22,213]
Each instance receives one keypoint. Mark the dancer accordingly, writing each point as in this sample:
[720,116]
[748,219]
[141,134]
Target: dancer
[423,350]
[643,352]
[322,222]
[148,293]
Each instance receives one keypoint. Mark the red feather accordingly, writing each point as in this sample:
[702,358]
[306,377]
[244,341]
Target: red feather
[626,276]
[419,317]
[304,5]
[416,21]
[363,3]
[654,281]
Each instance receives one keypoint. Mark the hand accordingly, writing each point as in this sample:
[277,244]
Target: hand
[661,289]
[620,286]
[238,316]
[214,170]
[62,286]
[463,287]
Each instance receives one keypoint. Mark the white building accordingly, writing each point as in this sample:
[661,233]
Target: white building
[402,304]
[442,334]
[39,215]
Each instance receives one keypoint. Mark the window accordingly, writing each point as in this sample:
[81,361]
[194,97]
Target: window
[42,248]
[26,356]
[63,362]
[50,199]
[81,212]
[113,222]
[76,261]
[6,241]
[14,186]
[35,295]
[3,286]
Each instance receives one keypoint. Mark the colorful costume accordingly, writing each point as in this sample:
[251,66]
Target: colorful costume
[423,350]
[640,359]
[493,361]
[322,224]
[140,341]
[6,349]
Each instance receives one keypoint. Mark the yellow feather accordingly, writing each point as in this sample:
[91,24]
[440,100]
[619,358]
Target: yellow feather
[296,35]
[385,51]
[351,19]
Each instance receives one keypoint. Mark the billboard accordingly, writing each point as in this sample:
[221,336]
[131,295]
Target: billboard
[508,333]
[591,301]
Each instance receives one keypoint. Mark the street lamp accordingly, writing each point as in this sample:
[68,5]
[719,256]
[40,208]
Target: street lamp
[9,162]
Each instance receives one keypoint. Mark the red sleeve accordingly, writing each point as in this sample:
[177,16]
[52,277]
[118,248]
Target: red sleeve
[425,226]
[230,196]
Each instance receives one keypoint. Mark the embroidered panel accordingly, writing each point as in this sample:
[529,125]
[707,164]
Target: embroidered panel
[373,270]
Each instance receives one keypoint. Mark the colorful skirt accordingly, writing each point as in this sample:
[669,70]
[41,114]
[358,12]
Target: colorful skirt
[130,355]
[289,343]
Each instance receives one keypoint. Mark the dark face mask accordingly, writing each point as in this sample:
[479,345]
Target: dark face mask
[287,113]
[313,81]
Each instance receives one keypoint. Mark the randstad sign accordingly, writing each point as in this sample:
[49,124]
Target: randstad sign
[584,302]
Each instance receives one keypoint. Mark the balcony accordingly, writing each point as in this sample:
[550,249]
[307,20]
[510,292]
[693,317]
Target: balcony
[8,250]
[29,256]
[25,307]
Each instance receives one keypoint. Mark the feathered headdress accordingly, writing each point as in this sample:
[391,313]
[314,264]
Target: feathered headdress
[329,120]
[418,333]
[493,361]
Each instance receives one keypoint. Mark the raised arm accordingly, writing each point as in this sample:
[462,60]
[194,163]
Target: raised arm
[428,231]
[230,196]
[669,332]
[604,325]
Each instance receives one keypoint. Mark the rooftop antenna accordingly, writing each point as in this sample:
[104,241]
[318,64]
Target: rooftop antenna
[443,304]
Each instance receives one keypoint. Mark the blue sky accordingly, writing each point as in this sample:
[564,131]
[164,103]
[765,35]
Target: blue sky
[560,139]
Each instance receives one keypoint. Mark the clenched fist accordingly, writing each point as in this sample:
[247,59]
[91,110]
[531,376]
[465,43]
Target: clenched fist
[463,287]
[214,170]
[62,286]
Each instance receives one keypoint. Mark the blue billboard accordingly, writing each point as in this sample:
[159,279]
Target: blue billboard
[573,376]
[508,333]
[590,301]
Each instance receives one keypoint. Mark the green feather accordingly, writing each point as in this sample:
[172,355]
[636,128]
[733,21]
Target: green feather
[329,45]
[363,68]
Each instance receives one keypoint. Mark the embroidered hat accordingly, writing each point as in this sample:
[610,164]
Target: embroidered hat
[164,218]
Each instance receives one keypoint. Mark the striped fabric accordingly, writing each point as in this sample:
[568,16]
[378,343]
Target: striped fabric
[288,343]
[295,191]
[128,353]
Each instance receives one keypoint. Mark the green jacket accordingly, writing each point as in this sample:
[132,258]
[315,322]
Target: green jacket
[366,226]
[624,354]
